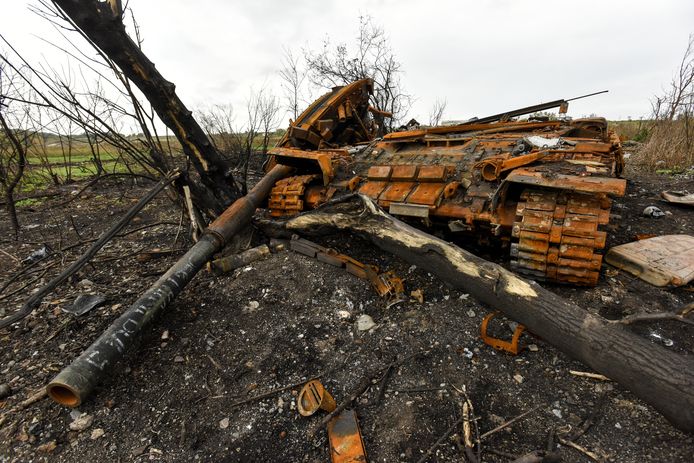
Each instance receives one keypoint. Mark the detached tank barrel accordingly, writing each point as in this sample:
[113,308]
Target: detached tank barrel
[74,383]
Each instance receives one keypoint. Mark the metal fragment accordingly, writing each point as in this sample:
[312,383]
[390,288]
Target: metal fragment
[344,436]
[512,346]
[84,303]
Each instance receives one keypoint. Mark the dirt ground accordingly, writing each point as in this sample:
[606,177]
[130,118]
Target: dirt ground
[288,318]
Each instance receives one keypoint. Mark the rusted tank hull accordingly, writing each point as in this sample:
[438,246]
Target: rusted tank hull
[473,180]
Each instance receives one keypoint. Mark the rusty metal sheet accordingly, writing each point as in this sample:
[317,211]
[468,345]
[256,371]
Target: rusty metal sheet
[593,147]
[379,172]
[294,157]
[661,261]
[396,192]
[344,436]
[432,173]
[373,189]
[426,193]
[613,186]
[404,173]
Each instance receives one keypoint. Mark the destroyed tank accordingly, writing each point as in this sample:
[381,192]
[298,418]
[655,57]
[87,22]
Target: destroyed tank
[539,188]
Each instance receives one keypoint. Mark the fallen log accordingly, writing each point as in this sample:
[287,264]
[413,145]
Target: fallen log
[657,376]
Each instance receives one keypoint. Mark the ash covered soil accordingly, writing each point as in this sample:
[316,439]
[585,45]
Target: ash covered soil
[186,391]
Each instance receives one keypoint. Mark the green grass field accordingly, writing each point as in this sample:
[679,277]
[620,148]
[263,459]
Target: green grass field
[51,162]
[53,159]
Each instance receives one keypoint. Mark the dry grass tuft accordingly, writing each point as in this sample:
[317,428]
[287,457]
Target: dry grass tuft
[669,147]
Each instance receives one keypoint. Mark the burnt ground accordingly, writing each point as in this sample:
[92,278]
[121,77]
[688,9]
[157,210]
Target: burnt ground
[280,321]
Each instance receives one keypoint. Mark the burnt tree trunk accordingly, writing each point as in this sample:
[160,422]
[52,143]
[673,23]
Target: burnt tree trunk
[12,213]
[9,180]
[657,376]
[103,26]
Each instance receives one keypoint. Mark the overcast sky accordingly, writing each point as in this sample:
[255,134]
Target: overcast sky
[482,57]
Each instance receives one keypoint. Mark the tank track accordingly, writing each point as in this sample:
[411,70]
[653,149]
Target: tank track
[286,196]
[555,236]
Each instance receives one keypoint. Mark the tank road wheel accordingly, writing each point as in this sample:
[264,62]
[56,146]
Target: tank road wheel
[556,236]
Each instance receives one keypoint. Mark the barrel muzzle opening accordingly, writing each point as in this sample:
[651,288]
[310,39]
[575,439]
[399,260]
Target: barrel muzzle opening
[64,395]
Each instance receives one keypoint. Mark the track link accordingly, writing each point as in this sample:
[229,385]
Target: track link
[556,236]
[286,197]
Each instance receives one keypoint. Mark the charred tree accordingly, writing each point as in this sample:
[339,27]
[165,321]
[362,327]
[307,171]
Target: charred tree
[8,179]
[657,376]
[101,23]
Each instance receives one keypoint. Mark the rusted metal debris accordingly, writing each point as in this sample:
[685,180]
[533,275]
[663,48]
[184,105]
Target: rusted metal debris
[344,435]
[512,347]
[386,284]
[661,261]
[682,198]
[539,188]
[314,397]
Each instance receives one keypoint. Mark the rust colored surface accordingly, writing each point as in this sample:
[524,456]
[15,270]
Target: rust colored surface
[344,436]
[373,189]
[286,197]
[512,347]
[395,192]
[379,172]
[314,397]
[661,261]
[432,173]
[340,117]
[426,193]
[300,158]
[613,186]
[539,188]
[405,172]
[492,168]
[386,284]
[556,236]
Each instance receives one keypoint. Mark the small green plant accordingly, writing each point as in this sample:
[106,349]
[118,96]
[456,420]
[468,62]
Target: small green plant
[28,202]
[642,135]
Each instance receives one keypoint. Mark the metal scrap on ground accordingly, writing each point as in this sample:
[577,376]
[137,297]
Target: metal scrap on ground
[84,303]
[512,347]
[682,198]
[661,261]
[386,284]
[344,435]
